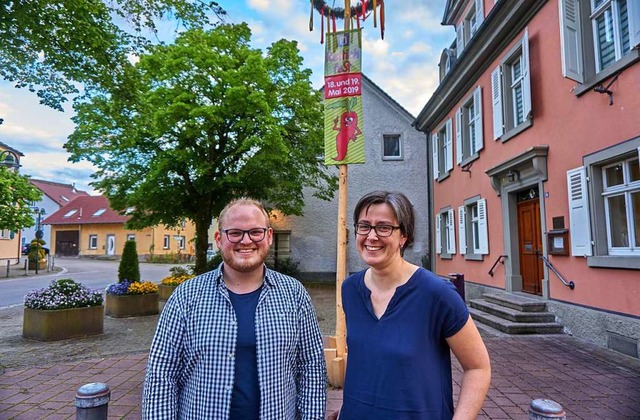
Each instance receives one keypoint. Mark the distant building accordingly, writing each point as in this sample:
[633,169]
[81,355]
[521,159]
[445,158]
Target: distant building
[55,195]
[9,241]
[395,159]
[88,227]
[534,136]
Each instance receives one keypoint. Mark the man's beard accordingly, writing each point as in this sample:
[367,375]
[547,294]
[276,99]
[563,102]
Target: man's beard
[241,265]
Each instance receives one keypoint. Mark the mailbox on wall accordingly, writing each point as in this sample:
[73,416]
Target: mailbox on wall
[558,242]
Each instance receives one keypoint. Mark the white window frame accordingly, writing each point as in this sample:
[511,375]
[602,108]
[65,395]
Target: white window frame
[578,39]
[93,241]
[398,138]
[182,242]
[469,25]
[469,129]
[589,231]
[166,242]
[442,150]
[5,234]
[505,123]
[473,243]
[445,233]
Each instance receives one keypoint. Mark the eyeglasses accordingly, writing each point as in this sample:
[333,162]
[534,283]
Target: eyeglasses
[237,235]
[382,231]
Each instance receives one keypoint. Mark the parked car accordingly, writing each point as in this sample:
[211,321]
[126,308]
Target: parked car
[27,247]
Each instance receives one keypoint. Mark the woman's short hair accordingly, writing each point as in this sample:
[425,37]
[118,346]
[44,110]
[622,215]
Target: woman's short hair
[401,206]
[243,201]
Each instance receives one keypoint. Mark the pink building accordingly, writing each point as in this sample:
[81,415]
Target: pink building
[534,133]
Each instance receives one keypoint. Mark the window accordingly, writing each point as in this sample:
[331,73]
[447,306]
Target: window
[472,228]
[604,207]
[182,243]
[469,25]
[469,139]
[131,237]
[5,234]
[445,235]
[280,249]
[70,213]
[511,92]
[391,147]
[597,35]
[93,241]
[99,212]
[165,242]
[442,151]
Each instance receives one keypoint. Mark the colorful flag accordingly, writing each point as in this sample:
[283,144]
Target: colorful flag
[343,125]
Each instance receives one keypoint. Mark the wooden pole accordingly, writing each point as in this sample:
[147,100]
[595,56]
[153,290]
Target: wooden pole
[336,359]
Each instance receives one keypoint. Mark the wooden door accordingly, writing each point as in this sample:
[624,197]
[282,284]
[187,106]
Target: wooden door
[530,246]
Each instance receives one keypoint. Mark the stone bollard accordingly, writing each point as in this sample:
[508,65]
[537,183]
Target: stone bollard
[545,409]
[92,401]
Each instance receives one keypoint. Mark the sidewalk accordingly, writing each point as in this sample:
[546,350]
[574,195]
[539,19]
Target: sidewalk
[39,380]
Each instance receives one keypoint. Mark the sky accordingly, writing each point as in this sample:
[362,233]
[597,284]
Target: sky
[404,65]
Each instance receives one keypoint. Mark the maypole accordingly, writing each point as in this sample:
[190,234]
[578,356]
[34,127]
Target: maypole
[343,113]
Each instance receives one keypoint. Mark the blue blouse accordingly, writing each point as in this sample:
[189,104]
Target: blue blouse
[399,366]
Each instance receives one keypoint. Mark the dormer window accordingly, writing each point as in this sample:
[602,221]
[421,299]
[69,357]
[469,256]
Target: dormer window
[71,213]
[99,212]
[469,25]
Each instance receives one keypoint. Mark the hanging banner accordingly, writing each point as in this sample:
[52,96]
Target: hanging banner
[343,125]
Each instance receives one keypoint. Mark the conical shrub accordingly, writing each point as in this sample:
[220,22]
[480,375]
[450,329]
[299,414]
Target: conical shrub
[129,268]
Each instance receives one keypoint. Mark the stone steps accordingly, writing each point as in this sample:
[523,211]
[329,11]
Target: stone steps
[513,314]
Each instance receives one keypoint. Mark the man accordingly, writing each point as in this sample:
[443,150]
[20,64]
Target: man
[241,341]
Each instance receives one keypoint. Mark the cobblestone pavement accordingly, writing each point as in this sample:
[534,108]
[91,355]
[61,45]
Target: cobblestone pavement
[39,380]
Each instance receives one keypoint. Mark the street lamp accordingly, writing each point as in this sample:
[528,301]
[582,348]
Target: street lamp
[39,212]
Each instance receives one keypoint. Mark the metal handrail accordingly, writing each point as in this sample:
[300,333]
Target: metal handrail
[571,285]
[499,260]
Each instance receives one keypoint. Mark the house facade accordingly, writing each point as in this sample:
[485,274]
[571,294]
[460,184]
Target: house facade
[534,138]
[395,159]
[9,241]
[55,195]
[88,227]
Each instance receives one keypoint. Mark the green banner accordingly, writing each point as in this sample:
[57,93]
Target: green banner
[343,124]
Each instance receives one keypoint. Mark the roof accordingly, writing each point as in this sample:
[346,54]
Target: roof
[6,147]
[86,210]
[60,193]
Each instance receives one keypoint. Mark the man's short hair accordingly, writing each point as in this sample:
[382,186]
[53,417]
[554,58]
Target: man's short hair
[243,201]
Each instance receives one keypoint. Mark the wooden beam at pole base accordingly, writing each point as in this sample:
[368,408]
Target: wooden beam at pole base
[336,371]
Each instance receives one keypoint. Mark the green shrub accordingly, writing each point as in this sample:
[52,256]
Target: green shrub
[287,267]
[129,268]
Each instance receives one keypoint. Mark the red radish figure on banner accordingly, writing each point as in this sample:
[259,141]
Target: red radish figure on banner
[347,131]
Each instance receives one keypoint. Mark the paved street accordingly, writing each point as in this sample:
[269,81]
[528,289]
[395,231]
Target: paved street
[39,380]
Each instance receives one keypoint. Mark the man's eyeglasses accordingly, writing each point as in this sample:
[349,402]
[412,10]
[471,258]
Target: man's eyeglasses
[382,231]
[237,235]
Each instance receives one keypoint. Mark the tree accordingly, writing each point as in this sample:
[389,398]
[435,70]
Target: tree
[16,196]
[129,268]
[201,122]
[47,45]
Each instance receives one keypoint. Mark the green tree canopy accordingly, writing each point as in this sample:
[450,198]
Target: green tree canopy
[16,196]
[47,45]
[201,122]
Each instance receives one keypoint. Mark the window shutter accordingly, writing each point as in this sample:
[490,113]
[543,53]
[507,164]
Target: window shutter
[459,136]
[571,40]
[526,75]
[434,141]
[438,237]
[633,11]
[462,233]
[496,100]
[479,12]
[477,105]
[580,229]
[451,232]
[449,143]
[482,227]
[459,39]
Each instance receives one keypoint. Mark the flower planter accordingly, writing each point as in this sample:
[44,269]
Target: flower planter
[122,306]
[165,291]
[59,324]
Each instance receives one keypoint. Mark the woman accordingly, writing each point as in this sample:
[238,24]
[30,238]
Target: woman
[402,321]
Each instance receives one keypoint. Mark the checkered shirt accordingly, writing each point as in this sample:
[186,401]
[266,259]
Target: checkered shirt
[190,372]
